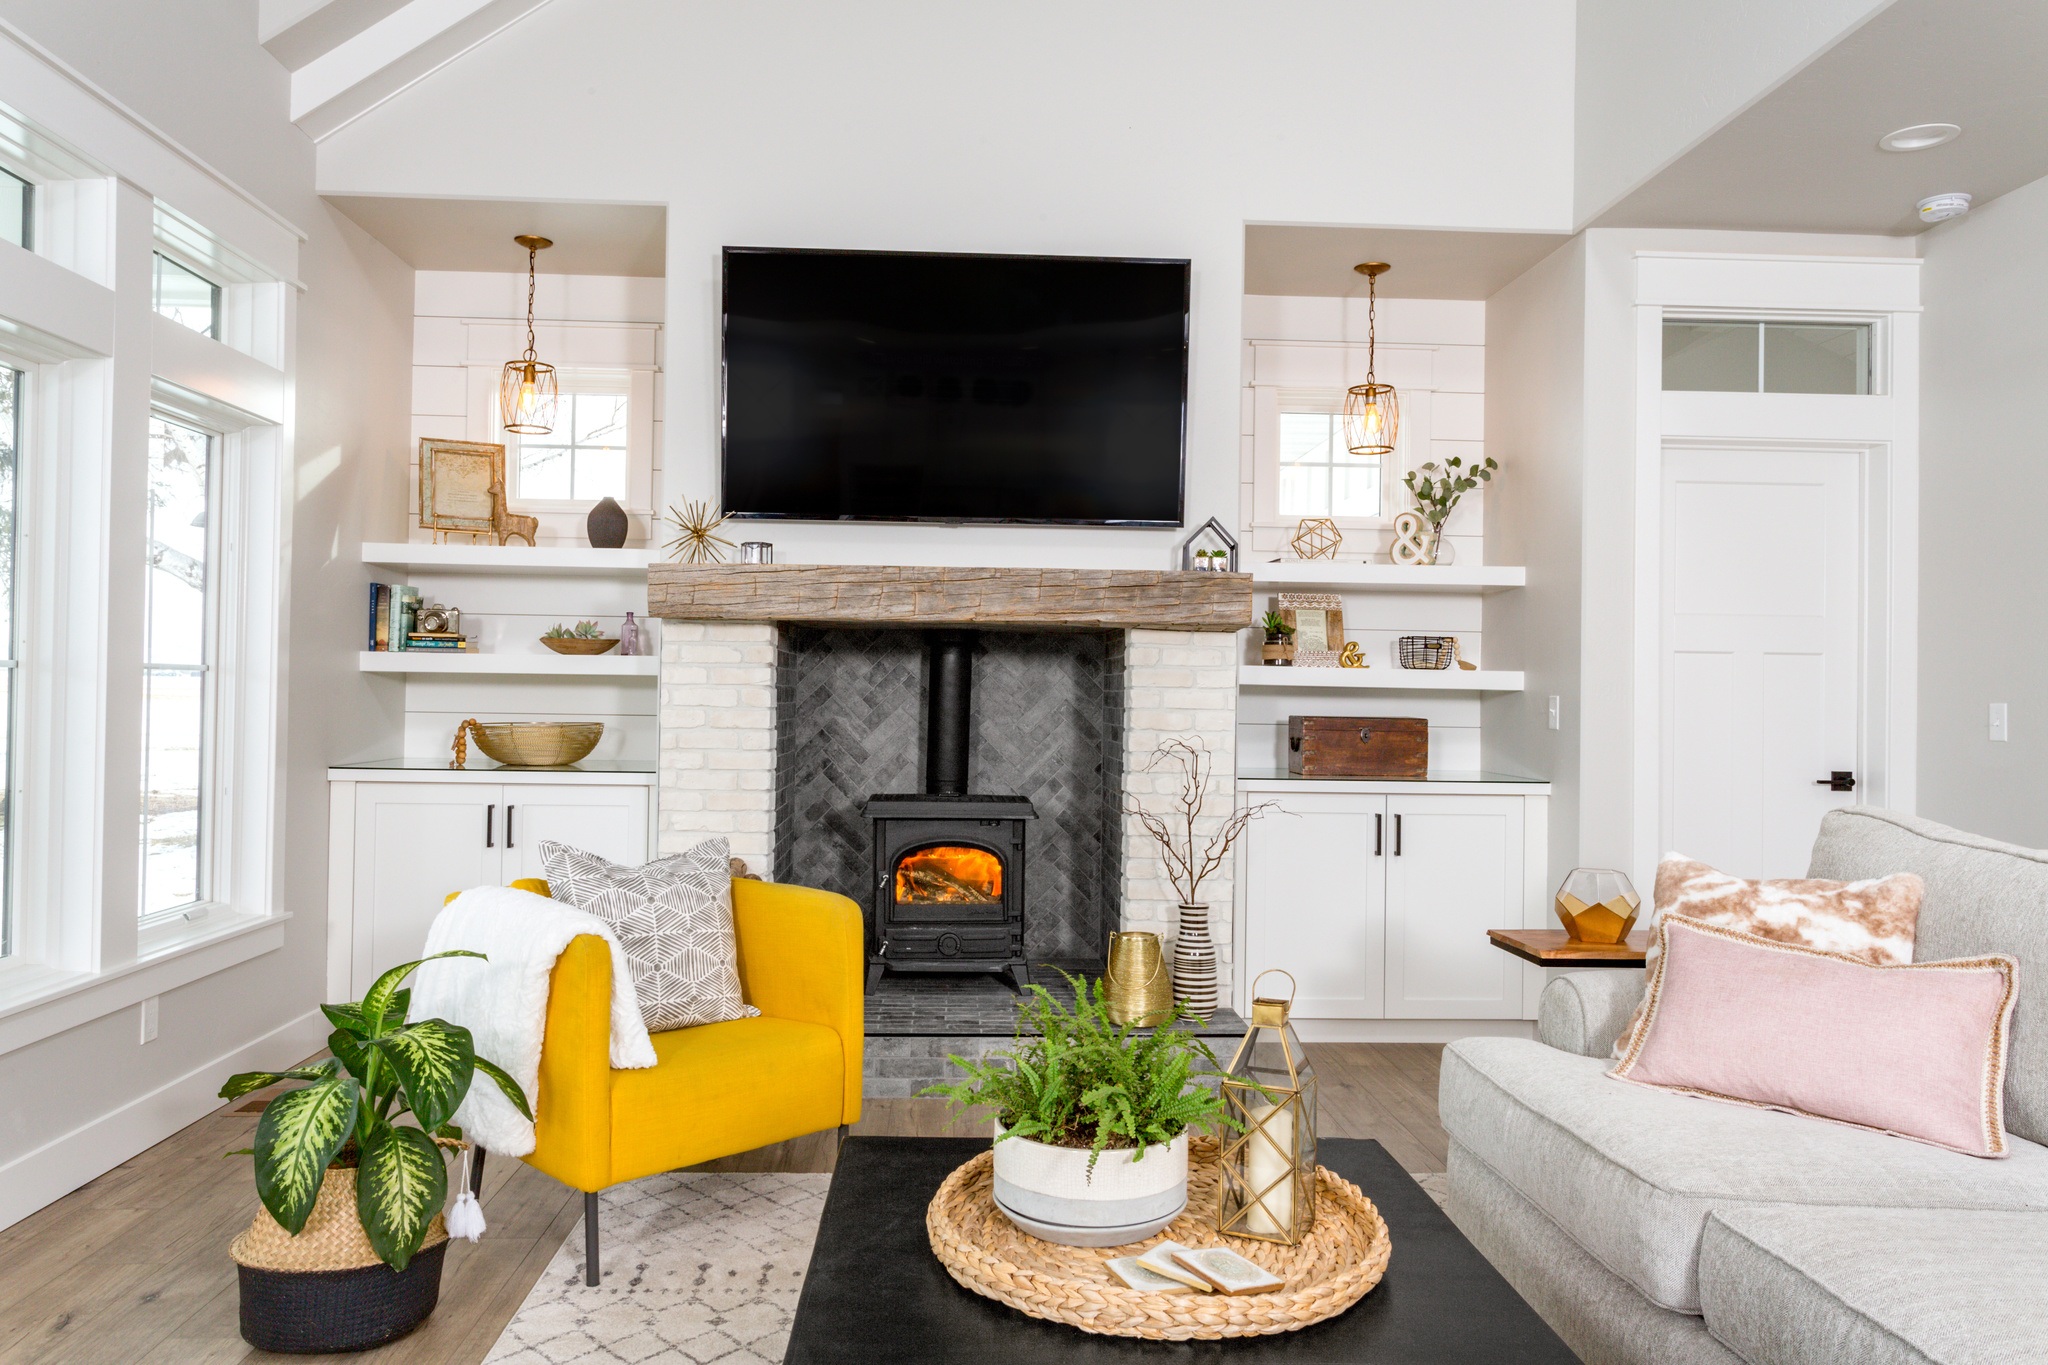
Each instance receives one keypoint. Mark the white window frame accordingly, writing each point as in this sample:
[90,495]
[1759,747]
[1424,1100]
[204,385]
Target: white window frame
[1267,404]
[1878,325]
[638,389]
[11,934]
[563,518]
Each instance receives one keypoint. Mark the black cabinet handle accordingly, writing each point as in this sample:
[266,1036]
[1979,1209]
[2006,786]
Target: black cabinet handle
[1837,781]
[1379,829]
[508,826]
[490,824]
[1397,836]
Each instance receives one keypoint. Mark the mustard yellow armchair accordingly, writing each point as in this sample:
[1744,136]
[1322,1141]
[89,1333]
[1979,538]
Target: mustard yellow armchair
[717,1089]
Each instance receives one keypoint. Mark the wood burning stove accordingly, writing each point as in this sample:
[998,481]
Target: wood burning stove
[949,866]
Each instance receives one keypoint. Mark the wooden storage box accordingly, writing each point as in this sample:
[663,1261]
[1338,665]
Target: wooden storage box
[1385,747]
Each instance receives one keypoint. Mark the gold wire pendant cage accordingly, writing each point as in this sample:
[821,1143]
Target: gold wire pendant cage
[526,386]
[1267,1189]
[1372,410]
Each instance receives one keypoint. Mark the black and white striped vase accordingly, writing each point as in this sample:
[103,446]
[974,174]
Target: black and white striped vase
[1194,961]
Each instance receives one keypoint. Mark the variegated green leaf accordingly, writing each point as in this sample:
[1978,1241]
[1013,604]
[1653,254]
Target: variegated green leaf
[296,1138]
[240,1085]
[506,1084]
[434,1061]
[384,992]
[401,1184]
[347,1017]
[348,1050]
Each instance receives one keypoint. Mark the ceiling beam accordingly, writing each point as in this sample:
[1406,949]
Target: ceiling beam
[406,45]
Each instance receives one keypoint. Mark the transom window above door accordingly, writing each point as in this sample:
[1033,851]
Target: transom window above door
[1766,357]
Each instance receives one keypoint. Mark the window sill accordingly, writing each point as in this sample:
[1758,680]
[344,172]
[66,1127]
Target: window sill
[38,1002]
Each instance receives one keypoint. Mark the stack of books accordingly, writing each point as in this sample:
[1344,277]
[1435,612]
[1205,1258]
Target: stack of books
[393,610]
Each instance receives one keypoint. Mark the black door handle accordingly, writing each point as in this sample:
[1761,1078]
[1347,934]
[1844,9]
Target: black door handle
[490,824]
[1397,836]
[1837,781]
[1379,825]
[508,826]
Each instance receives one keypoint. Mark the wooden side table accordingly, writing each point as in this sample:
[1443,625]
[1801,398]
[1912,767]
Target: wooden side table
[1554,948]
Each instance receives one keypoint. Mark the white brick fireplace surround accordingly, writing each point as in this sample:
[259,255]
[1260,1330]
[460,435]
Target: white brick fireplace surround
[717,714]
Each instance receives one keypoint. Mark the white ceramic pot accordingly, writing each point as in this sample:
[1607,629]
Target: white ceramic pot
[1050,1192]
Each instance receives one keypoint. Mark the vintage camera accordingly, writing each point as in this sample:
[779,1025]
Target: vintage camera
[437,620]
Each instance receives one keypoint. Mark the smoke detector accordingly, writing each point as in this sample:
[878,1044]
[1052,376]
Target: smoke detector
[1919,137]
[1939,208]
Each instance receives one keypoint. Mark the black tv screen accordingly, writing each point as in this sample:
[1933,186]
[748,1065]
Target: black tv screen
[893,386]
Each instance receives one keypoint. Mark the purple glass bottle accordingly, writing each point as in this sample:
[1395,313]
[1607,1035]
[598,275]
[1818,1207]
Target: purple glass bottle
[629,636]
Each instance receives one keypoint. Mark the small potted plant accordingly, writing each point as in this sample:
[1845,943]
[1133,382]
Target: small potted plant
[347,1252]
[1278,650]
[1091,1118]
[585,637]
[1437,489]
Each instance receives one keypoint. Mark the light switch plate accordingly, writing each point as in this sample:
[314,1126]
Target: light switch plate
[1553,712]
[149,1019]
[1998,729]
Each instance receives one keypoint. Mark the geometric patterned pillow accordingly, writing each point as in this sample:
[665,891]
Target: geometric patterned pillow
[673,917]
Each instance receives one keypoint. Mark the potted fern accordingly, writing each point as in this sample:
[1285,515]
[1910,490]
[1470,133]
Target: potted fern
[347,1252]
[1092,1118]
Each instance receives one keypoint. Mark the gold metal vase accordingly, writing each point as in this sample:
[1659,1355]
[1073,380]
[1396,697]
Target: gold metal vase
[1136,985]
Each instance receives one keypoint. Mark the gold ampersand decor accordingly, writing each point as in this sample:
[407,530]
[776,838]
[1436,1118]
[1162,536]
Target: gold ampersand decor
[696,544]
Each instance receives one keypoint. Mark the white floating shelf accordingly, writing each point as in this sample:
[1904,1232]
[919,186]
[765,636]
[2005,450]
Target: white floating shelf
[536,665]
[1333,574]
[1381,679]
[516,559]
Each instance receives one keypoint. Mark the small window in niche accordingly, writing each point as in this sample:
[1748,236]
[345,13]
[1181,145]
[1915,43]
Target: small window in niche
[1319,476]
[1766,357]
[585,457]
[17,210]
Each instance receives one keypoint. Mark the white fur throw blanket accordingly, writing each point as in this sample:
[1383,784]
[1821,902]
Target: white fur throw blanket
[503,1002]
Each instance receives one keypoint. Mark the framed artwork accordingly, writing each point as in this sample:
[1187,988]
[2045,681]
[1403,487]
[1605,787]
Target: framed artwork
[461,483]
[1318,621]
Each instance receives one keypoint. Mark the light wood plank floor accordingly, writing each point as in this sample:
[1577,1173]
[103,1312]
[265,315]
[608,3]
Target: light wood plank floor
[133,1267]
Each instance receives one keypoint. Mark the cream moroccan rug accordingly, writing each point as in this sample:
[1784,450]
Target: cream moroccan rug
[697,1268]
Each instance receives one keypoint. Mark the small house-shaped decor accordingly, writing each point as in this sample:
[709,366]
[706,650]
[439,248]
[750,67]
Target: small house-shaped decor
[1210,547]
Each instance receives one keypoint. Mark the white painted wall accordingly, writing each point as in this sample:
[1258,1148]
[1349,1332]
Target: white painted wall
[1985,346]
[1654,79]
[1151,128]
[99,1094]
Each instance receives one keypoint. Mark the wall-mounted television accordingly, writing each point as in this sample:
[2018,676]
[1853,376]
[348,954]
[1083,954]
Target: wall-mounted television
[904,386]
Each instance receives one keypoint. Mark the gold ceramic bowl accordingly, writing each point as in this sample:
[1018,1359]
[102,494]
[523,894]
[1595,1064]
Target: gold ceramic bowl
[536,743]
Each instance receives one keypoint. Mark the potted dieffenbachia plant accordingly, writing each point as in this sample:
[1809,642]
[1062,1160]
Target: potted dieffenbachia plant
[347,1254]
[1091,1117]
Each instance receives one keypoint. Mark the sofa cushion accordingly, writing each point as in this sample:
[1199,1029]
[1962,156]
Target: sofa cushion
[1784,1286]
[1981,897]
[1631,1174]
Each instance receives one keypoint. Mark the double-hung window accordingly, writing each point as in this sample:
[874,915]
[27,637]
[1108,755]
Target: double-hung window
[1319,476]
[178,652]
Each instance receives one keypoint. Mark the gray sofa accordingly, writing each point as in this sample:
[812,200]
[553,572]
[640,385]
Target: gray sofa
[1651,1227]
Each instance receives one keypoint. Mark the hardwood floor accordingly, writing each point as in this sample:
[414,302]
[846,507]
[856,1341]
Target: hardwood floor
[134,1268]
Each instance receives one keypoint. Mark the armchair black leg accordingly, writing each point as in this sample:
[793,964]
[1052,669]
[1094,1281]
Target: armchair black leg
[590,1239]
[476,1172]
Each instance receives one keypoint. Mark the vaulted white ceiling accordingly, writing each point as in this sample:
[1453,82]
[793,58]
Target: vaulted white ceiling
[349,56]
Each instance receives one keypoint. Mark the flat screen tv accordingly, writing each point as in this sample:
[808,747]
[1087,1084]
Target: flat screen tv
[898,386]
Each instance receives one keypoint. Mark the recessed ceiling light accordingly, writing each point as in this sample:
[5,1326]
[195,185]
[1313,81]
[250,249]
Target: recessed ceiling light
[1938,208]
[1919,137]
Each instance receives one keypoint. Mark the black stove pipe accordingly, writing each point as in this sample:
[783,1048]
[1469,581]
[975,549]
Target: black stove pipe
[948,709]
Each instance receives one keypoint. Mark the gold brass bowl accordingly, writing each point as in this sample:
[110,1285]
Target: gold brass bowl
[530,743]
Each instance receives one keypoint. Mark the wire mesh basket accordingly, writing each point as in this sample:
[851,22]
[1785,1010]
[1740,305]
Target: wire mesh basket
[1428,651]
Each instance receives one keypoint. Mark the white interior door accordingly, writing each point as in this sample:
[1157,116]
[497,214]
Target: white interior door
[416,842]
[1760,685]
[608,821]
[1454,870]
[1315,902]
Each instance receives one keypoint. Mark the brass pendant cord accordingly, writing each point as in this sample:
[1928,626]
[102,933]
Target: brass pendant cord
[1372,325]
[532,356]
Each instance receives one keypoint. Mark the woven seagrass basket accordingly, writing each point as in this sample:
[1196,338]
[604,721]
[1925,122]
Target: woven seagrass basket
[325,1290]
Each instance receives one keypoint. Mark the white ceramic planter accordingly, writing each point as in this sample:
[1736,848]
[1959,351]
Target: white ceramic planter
[1050,1192]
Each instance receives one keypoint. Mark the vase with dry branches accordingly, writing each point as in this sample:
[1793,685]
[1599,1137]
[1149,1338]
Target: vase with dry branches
[1190,859]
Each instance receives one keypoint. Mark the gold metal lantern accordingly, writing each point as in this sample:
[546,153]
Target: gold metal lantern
[1372,410]
[1268,1166]
[526,388]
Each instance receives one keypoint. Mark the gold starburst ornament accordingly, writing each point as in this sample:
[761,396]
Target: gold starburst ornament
[697,543]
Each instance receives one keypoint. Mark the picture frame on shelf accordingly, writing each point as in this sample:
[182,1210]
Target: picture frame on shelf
[1317,620]
[461,483]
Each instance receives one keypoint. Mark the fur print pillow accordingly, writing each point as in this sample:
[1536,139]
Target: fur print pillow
[1868,921]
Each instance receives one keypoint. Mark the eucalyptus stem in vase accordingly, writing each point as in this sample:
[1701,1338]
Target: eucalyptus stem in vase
[1437,490]
[1190,860]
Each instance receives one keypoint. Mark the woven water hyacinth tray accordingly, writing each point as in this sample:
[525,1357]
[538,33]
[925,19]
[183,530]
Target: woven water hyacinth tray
[1342,1258]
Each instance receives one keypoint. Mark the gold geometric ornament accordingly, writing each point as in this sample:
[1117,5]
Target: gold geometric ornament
[1372,410]
[1597,905]
[1316,538]
[696,544]
[1268,1163]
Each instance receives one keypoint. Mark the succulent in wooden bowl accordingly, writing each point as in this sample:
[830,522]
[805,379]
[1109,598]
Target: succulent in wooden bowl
[585,637]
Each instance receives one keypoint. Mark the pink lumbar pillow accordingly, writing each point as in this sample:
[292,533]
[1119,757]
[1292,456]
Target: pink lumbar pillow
[1917,1050]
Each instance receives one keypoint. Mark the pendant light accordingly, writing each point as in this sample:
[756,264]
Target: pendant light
[526,390]
[1372,410]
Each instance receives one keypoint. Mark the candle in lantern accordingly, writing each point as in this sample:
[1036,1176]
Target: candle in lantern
[1269,1156]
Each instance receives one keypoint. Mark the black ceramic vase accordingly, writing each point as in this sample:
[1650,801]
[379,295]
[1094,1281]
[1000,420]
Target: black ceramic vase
[607,525]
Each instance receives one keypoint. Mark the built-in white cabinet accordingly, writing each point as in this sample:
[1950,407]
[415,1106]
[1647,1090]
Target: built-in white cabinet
[1377,897]
[400,842]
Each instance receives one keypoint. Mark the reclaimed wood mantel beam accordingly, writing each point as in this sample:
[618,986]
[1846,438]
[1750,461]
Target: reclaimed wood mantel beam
[856,594]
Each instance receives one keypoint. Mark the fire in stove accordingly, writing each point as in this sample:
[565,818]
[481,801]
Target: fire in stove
[949,875]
